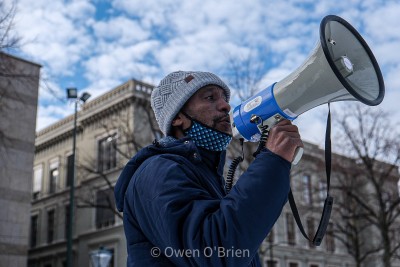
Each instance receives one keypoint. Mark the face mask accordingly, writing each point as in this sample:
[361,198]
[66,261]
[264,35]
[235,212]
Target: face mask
[207,137]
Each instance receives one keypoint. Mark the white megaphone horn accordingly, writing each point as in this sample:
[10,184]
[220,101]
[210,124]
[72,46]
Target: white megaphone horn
[341,68]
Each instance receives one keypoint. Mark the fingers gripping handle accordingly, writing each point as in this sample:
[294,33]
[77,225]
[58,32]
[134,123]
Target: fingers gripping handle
[264,128]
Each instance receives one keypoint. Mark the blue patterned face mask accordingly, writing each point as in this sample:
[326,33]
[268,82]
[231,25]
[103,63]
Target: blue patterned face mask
[207,137]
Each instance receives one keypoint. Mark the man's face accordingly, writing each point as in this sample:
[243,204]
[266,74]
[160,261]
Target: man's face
[209,105]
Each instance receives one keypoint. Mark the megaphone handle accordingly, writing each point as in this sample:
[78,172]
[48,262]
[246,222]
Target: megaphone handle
[297,155]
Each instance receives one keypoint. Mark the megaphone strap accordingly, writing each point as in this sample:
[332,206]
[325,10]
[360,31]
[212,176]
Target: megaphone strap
[326,213]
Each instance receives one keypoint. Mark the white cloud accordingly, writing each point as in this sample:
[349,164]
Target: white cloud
[385,54]
[381,22]
[79,10]
[286,44]
[152,13]
[118,62]
[312,125]
[122,30]
[101,86]
[50,114]
[53,33]
[48,90]
[148,39]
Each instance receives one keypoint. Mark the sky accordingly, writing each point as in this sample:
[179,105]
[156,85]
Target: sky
[96,45]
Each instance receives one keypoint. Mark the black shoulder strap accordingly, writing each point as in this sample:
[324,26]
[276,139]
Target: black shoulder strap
[326,213]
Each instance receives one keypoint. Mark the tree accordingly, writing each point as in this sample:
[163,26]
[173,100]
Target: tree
[12,74]
[8,38]
[129,140]
[244,73]
[350,226]
[369,186]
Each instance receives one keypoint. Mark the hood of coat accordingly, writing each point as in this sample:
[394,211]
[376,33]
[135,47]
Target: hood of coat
[167,145]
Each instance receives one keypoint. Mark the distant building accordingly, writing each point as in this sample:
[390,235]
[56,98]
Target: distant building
[105,127]
[111,128]
[19,82]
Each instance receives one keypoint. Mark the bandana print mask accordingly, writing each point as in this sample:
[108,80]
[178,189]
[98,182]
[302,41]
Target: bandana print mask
[207,137]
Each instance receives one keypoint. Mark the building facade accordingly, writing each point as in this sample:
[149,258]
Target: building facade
[110,129]
[19,83]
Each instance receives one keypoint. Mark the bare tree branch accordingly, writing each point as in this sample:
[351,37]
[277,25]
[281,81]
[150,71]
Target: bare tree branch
[368,135]
[8,38]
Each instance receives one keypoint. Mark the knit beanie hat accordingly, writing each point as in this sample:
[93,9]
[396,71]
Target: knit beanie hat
[175,89]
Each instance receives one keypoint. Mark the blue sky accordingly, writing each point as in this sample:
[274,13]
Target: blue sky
[96,45]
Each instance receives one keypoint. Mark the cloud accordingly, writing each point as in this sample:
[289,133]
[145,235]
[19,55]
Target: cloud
[122,30]
[121,62]
[54,34]
[151,13]
[50,114]
[382,21]
[148,39]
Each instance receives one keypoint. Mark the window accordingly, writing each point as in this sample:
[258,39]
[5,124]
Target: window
[33,263]
[291,234]
[329,239]
[53,180]
[37,181]
[310,230]
[293,264]
[306,186]
[107,153]
[53,177]
[314,265]
[272,263]
[322,192]
[111,263]
[34,230]
[70,170]
[50,226]
[105,204]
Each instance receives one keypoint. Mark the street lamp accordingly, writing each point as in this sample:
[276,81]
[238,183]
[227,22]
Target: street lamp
[100,258]
[72,93]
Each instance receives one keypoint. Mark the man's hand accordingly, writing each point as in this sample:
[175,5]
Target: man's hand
[283,140]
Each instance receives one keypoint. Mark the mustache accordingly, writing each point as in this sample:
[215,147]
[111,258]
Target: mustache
[220,118]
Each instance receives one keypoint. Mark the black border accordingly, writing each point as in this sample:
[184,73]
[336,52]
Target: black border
[378,72]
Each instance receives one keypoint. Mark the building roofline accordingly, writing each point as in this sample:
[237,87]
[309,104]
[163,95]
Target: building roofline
[131,88]
[20,59]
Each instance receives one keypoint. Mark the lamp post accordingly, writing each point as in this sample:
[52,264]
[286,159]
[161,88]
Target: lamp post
[271,254]
[100,258]
[72,93]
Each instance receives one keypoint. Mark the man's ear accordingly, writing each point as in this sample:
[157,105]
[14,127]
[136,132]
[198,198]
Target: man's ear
[179,123]
[178,120]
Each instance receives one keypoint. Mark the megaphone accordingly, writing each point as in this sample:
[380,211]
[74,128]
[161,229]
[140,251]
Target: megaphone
[340,68]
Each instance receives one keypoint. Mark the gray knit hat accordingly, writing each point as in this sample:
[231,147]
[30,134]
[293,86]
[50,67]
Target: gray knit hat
[175,89]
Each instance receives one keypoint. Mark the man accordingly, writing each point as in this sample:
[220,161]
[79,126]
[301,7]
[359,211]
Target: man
[176,210]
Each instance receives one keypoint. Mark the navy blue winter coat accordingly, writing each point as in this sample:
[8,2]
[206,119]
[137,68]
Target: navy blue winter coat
[176,211]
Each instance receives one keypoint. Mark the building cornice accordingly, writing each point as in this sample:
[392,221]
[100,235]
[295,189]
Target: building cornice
[20,59]
[91,111]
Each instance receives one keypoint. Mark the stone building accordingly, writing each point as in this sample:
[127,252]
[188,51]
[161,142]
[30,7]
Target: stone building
[19,83]
[105,126]
[110,129]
